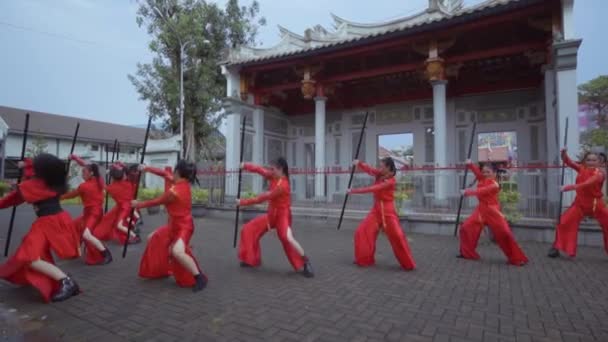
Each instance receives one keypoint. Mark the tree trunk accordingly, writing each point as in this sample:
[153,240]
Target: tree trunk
[189,141]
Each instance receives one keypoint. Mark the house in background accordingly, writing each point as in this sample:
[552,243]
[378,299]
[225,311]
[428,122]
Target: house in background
[53,134]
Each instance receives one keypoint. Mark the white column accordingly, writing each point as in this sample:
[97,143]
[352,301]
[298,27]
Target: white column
[568,19]
[565,55]
[320,146]
[440,127]
[551,116]
[258,145]
[233,129]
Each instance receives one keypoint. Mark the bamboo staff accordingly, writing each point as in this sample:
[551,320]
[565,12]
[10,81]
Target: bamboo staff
[464,179]
[238,191]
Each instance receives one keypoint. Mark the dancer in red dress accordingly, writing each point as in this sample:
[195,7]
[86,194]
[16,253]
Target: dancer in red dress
[133,177]
[588,202]
[168,251]
[488,213]
[383,216]
[113,225]
[53,230]
[91,193]
[277,217]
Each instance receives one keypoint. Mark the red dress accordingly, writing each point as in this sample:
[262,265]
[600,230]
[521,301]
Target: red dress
[278,217]
[157,261]
[488,213]
[91,193]
[49,232]
[122,192]
[588,202]
[382,216]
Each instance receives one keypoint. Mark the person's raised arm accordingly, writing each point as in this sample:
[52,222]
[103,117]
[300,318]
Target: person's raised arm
[370,170]
[267,196]
[12,199]
[569,162]
[373,188]
[475,169]
[262,171]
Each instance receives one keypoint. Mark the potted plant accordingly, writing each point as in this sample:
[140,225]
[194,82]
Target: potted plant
[200,199]
[148,194]
[509,201]
[4,188]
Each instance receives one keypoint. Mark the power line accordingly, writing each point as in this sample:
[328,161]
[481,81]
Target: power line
[51,34]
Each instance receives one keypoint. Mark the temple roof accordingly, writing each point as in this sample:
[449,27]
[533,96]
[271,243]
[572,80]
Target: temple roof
[345,32]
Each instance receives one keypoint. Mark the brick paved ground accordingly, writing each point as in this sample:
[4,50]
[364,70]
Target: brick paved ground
[446,299]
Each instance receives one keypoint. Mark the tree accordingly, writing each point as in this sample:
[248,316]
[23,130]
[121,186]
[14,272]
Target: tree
[37,146]
[595,94]
[206,30]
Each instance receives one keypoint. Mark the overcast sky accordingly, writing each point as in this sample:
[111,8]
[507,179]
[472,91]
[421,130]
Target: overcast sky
[72,57]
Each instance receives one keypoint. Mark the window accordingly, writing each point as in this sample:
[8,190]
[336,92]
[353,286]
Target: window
[534,143]
[94,148]
[497,147]
[337,152]
[355,142]
[293,154]
[400,147]
[429,144]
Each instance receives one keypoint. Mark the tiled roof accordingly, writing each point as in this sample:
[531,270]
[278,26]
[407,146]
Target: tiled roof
[319,40]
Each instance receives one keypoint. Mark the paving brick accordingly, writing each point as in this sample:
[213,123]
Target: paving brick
[445,299]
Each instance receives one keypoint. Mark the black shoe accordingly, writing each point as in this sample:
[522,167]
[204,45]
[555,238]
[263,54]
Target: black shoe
[307,271]
[107,257]
[136,231]
[459,256]
[245,265]
[553,253]
[67,289]
[201,282]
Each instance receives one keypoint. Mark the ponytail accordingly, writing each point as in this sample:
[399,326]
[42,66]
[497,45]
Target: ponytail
[282,164]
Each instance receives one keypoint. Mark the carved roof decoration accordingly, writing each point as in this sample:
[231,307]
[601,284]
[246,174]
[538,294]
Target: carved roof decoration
[345,31]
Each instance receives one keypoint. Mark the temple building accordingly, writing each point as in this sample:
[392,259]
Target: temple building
[508,65]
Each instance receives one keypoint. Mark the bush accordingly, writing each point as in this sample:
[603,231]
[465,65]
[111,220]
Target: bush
[4,188]
[200,196]
[509,200]
[148,194]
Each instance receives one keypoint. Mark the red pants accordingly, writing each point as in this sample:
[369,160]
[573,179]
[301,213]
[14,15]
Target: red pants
[157,261]
[249,247]
[470,232]
[91,216]
[367,233]
[567,231]
[48,233]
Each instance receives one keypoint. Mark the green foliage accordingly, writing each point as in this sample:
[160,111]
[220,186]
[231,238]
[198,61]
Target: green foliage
[509,200]
[206,31]
[200,196]
[72,201]
[595,137]
[37,147]
[149,193]
[4,188]
[247,194]
[595,94]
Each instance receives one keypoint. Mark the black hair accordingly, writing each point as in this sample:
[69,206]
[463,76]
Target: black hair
[586,154]
[52,171]
[602,156]
[282,164]
[117,173]
[186,170]
[133,168]
[390,163]
[94,169]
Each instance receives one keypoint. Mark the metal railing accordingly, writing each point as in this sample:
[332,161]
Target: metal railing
[423,190]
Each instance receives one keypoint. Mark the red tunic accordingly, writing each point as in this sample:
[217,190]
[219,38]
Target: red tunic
[278,195]
[382,215]
[157,261]
[48,233]
[122,192]
[588,187]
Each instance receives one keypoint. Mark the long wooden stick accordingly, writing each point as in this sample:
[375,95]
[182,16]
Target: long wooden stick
[238,191]
[563,178]
[7,244]
[353,168]
[130,217]
[67,166]
[108,172]
[464,179]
